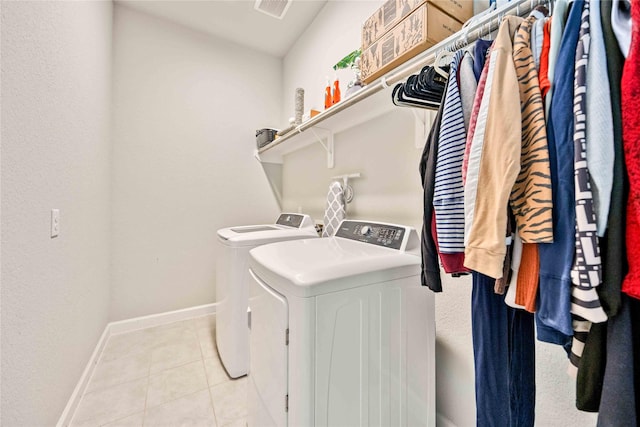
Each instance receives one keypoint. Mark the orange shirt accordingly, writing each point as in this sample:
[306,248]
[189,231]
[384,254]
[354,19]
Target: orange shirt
[545,84]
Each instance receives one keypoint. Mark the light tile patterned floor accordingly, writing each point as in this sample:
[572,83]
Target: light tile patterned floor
[169,375]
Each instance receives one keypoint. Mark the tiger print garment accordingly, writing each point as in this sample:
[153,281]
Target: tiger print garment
[530,197]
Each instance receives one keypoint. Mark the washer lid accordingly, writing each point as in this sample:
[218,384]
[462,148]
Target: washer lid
[310,267]
[253,235]
[287,226]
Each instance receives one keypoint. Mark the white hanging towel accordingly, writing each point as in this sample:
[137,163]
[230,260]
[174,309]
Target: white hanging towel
[335,211]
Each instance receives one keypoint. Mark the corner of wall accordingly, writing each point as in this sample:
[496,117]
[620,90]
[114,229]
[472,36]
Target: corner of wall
[55,143]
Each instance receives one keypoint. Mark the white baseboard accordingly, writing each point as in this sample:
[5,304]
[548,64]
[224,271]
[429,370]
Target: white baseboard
[442,421]
[129,325]
[119,327]
[72,404]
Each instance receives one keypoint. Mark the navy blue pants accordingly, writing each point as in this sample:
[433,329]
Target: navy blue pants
[504,356]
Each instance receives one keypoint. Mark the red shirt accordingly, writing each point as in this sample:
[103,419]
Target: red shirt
[543,75]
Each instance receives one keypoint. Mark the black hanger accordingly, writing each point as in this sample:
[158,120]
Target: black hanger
[400,99]
[423,90]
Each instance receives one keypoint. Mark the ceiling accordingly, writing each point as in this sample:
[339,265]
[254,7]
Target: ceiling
[236,20]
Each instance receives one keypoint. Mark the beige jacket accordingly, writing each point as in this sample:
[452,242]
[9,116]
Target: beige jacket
[494,161]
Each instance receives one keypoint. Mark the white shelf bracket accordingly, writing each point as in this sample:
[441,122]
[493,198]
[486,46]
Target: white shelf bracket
[267,157]
[328,147]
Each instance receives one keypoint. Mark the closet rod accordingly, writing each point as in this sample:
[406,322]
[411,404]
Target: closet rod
[465,36]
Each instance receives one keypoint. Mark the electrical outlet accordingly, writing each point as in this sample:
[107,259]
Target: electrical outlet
[55,222]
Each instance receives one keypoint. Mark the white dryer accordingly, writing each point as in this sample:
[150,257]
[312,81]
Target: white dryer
[341,332]
[232,282]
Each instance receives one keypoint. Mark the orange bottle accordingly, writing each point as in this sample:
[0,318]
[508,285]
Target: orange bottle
[336,91]
[327,95]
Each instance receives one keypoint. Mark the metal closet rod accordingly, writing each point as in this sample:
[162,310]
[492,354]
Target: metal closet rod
[462,38]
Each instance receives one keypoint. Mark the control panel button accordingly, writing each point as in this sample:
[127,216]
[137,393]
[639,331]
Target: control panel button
[386,235]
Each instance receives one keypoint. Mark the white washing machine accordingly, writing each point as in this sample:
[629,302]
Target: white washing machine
[341,332]
[232,282]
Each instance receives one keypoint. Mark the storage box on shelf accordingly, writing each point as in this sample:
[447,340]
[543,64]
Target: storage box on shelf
[394,11]
[460,10]
[422,29]
[385,18]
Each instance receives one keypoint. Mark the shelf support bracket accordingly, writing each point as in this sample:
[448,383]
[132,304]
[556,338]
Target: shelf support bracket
[328,147]
[267,157]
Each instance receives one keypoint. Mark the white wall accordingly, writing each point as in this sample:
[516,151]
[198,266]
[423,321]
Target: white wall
[383,151]
[186,107]
[56,74]
[335,32]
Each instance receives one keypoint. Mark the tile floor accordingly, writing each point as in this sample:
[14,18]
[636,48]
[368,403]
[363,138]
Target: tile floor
[169,375]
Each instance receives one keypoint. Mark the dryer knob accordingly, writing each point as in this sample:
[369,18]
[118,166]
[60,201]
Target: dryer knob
[365,230]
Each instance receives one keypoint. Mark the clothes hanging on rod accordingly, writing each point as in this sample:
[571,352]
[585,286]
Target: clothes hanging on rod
[600,124]
[603,374]
[630,104]
[543,72]
[448,196]
[556,259]
[614,258]
[430,272]
[586,272]
[488,220]
[534,136]
[468,84]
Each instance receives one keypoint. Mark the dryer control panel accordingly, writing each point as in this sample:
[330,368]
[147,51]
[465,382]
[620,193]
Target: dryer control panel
[290,220]
[387,235]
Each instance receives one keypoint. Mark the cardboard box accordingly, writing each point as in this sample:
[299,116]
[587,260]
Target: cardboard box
[461,10]
[394,11]
[385,18]
[420,30]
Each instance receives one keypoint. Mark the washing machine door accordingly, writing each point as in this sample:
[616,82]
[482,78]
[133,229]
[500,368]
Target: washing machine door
[268,358]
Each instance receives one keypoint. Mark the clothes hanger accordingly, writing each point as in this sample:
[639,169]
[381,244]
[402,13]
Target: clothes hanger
[471,22]
[425,89]
[443,54]
[422,103]
[400,99]
[430,80]
[489,35]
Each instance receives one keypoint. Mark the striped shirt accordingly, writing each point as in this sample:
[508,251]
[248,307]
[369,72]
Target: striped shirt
[448,196]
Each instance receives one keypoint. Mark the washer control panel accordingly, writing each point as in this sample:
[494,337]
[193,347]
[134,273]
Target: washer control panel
[387,235]
[290,220]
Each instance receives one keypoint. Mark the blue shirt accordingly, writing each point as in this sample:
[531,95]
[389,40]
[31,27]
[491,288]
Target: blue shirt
[556,259]
[480,56]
